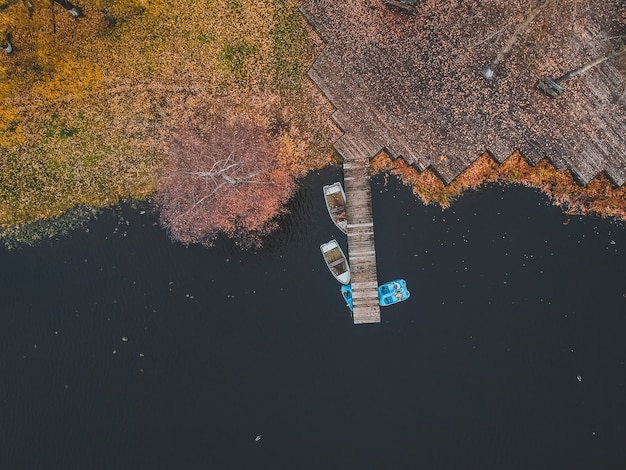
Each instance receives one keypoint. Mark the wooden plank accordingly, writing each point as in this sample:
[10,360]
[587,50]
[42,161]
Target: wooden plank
[361,246]
[382,71]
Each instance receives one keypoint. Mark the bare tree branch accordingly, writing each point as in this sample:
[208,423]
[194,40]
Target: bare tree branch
[221,179]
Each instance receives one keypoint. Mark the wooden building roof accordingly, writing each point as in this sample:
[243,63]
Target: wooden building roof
[413,84]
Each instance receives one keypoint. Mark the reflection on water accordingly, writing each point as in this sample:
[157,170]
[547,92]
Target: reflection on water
[121,349]
[307,215]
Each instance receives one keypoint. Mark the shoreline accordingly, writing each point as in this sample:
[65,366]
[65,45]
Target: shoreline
[76,158]
[599,197]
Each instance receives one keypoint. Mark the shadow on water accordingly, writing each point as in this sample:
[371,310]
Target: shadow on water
[307,218]
[123,350]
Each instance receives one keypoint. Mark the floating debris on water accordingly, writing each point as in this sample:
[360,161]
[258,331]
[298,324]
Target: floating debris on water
[124,338]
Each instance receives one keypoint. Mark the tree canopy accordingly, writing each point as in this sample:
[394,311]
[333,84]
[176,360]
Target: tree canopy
[230,178]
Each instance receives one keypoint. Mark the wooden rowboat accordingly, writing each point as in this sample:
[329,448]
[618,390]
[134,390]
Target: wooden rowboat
[336,261]
[335,198]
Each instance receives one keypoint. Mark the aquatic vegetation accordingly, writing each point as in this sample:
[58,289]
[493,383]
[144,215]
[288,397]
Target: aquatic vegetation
[16,236]
[599,196]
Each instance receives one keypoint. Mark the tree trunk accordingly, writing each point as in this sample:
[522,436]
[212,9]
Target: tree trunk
[109,17]
[7,47]
[75,11]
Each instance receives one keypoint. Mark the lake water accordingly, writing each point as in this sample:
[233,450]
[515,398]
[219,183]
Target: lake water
[122,350]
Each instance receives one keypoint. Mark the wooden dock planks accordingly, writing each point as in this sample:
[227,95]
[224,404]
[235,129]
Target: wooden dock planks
[411,84]
[361,247]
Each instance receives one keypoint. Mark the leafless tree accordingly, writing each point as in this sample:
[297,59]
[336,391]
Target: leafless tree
[224,179]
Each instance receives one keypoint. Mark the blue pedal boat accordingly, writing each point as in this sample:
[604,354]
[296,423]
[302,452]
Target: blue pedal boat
[392,292]
[346,292]
[388,294]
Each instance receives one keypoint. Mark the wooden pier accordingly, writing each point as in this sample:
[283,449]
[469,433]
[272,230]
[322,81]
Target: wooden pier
[409,84]
[361,249]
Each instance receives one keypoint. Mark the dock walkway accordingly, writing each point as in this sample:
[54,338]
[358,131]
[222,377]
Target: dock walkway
[361,248]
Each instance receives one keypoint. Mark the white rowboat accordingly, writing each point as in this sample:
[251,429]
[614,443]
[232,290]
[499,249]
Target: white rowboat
[336,261]
[335,198]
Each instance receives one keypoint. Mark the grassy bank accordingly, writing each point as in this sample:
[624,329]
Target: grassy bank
[87,108]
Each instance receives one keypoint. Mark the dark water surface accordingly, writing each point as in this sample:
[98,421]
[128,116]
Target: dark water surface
[121,350]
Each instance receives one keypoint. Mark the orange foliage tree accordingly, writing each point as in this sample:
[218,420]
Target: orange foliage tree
[229,179]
